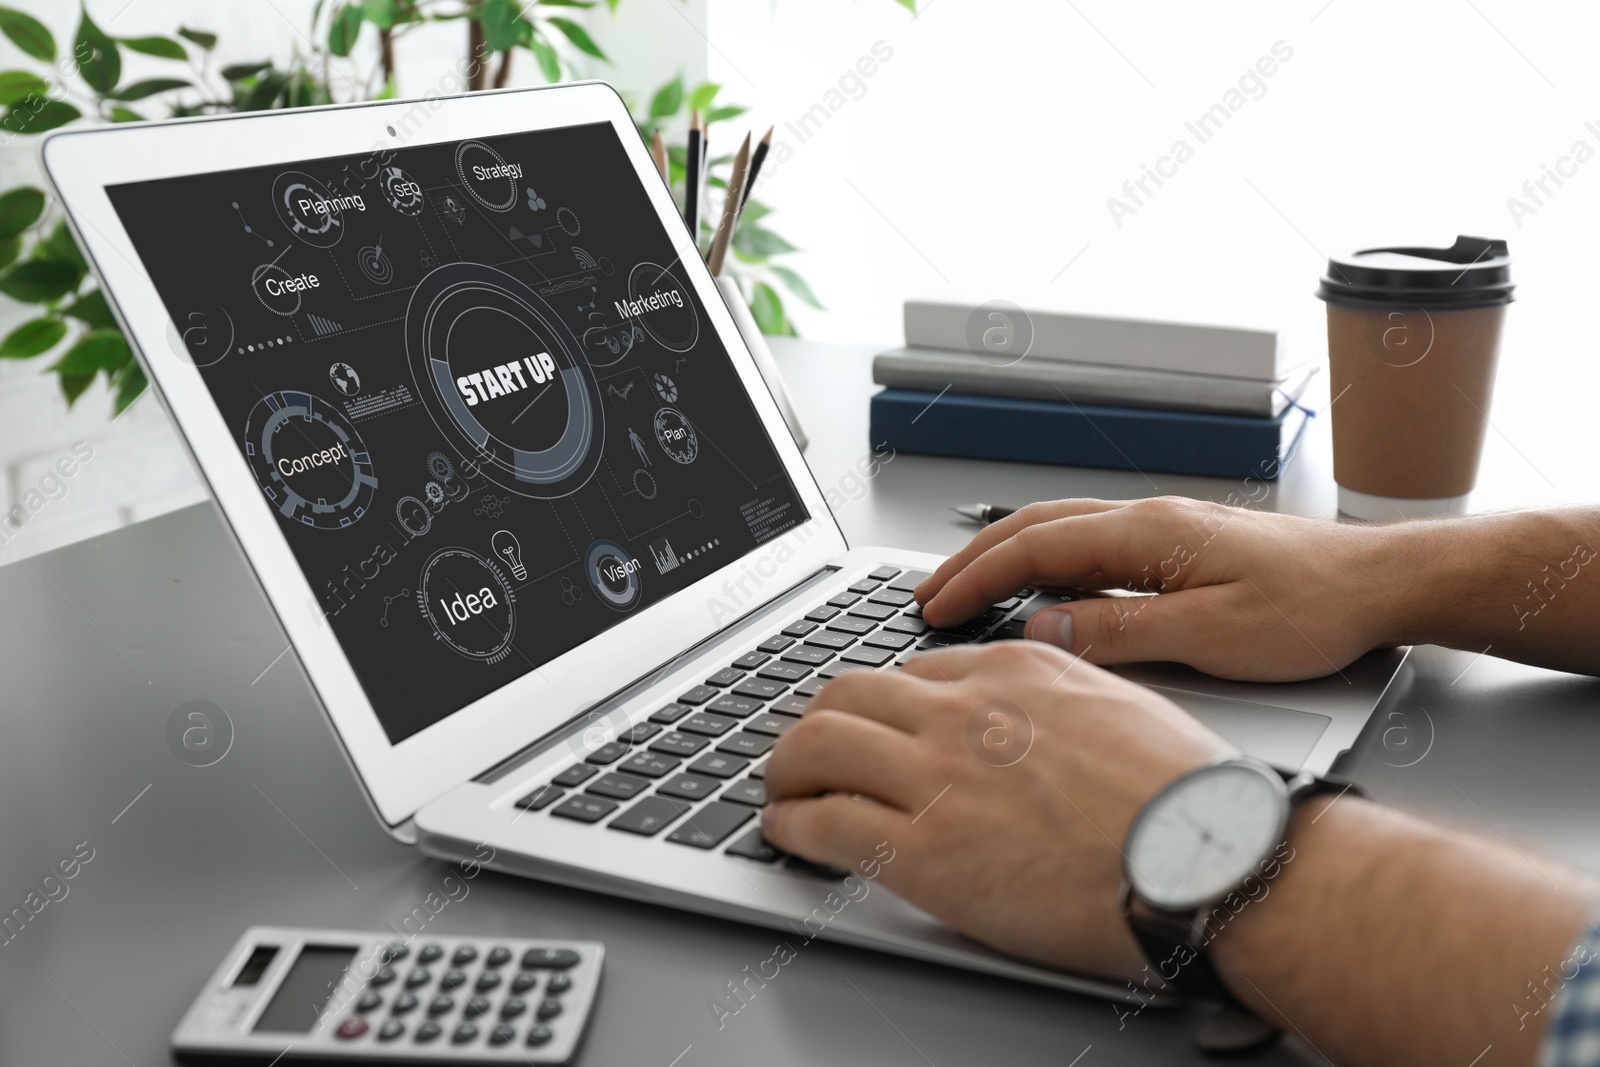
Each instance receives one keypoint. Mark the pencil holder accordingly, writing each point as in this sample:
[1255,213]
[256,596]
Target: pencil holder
[757,343]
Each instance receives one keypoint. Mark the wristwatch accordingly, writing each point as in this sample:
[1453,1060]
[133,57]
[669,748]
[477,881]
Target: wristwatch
[1201,851]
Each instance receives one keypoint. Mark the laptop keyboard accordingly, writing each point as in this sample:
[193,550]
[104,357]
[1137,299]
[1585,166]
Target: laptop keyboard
[692,774]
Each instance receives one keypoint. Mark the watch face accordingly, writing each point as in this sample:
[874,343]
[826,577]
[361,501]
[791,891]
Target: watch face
[1205,833]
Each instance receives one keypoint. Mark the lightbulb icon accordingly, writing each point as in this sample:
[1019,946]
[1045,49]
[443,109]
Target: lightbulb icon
[505,545]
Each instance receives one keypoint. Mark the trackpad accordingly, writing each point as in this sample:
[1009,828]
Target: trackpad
[1280,736]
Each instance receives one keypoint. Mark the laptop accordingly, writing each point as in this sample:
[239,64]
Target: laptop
[525,507]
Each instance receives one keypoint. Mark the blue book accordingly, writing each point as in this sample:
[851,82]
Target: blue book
[1086,435]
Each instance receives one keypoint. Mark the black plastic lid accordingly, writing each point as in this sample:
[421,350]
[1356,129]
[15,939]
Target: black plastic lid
[1473,272]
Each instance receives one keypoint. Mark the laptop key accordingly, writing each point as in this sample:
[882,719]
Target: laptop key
[651,765]
[844,600]
[830,639]
[709,725]
[849,624]
[607,753]
[822,613]
[729,704]
[890,640]
[618,786]
[865,586]
[897,597]
[810,655]
[725,677]
[698,695]
[942,638]
[751,660]
[576,774]
[584,808]
[905,624]
[808,688]
[775,644]
[718,765]
[747,792]
[690,787]
[1011,631]
[879,612]
[799,628]
[671,713]
[678,744]
[914,610]
[784,672]
[638,735]
[760,689]
[747,744]
[833,670]
[816,870]
[541,798]
[792,705]
[708,827]
[883,573]
[759,771]
[650,816]
[872,657]
[772,725]
[910,579]
[753,846]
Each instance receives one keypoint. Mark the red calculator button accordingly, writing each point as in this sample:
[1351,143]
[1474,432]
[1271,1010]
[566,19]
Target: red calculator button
[354,1026]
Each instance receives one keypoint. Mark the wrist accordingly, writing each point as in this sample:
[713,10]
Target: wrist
[1427,574]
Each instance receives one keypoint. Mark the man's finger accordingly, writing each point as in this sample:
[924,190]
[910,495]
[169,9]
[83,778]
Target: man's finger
[888,697]
[959,661]
[834,752]
[1177,627]
[995,532]
[836,829]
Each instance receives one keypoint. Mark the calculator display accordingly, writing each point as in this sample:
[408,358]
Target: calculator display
[306,989]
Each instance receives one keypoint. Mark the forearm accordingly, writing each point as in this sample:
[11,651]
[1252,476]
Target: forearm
[1386,940]
[1526,585]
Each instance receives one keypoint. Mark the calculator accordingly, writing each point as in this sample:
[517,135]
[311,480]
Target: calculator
[288,995]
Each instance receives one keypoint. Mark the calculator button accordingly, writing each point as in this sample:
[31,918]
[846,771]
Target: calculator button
[427,1032]
[559,982]
[555,959]
[513,1007]
[464,1033]
[403,1003]
[355,1027]
[394,950]
[524,981]
[549,1008]
[540,1035]
[453,980]
[429,953]
[500,1034]
[442,1004]
[486,981]
[498,956]
[368,1001]
[418,976]
[477,1006]
[391,1029]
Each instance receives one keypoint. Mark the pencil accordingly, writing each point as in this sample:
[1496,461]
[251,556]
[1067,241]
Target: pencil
[658,150]
[755,166]
[730,208]
[691,179]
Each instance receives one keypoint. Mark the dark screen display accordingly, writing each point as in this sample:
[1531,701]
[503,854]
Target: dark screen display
[256,966]
[488,413]
[305,990]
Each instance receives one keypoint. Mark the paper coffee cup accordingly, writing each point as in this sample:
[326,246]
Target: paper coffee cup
[1413,338]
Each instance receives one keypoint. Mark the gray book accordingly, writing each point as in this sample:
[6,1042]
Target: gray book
[933,370]
[1229,351]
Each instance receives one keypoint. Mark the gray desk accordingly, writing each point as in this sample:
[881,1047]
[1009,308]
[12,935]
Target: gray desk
[101,641]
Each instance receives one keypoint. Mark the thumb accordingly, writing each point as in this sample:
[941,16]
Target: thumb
[1108,630]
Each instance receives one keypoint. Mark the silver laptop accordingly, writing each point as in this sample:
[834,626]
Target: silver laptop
[490,440]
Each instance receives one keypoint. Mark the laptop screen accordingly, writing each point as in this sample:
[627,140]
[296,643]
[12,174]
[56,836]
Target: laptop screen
[472,382]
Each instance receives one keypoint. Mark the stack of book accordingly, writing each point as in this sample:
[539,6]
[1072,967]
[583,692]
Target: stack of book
[1049,387]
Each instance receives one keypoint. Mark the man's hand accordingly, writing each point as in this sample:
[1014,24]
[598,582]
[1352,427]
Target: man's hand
[1242,594]
[1004,778]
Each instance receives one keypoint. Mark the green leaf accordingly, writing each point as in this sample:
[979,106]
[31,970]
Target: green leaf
[148,87]
[909,5]
[381,13]
[35,114]
[767,308]
[17,84]
[28,34]
[19,209]
[60,247]
[101,350]
[569,3]
[33,337]
[721,114]
[502,24]
[165,47]
[578,36]
[344,30]
[98,59]
[205,40]
[73,386]
[703,94]
[10,249]
[264,94]
[549,62]
[129,382]
[39,281]
[668,99]
[92,310]
[240,71]
[757,243]
[125,114]
[751,211]
[798,286]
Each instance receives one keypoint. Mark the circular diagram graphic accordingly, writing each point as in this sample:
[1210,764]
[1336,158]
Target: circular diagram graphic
[664,307]
[309,460]
[665,388]
[375,265]
[276,289]
[401,190]
[470,154]
[345,379]
[614,574]
[567,219]
[678,439]
[504,380]
[306,207]
[469,604]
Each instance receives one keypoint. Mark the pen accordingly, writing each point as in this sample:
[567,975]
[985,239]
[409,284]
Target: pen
[691,179]
[755,166]
[982,513]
